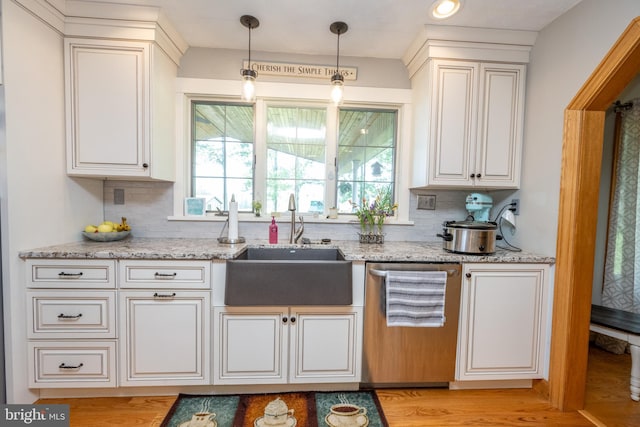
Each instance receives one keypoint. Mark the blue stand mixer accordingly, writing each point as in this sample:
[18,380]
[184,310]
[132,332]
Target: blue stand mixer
[478,205]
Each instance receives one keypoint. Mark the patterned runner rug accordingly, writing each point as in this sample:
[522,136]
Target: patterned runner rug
[306,409]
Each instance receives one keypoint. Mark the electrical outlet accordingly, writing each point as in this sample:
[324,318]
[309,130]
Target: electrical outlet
[118,196]
[516,206]
[426,202]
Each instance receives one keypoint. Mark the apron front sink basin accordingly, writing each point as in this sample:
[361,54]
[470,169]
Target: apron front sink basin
[288,276]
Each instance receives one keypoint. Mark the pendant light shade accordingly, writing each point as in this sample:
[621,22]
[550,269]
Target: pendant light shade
[249,75]
[337,80]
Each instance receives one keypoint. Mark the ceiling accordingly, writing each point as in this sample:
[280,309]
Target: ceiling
[377,28]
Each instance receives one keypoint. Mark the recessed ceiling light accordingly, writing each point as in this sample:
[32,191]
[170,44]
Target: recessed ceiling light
[442,9]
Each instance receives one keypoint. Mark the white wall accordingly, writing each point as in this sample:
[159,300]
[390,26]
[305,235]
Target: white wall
[565,54]
[43,205]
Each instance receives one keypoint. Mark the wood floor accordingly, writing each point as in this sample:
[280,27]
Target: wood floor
[607,404]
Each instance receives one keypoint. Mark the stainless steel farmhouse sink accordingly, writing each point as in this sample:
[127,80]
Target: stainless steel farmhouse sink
[288,276]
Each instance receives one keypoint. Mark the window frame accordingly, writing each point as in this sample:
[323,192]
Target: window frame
[314,95]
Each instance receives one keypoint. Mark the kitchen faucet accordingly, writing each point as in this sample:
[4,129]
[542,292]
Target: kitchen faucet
[295,234]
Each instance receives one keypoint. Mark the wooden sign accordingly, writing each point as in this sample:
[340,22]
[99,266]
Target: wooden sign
[300,70]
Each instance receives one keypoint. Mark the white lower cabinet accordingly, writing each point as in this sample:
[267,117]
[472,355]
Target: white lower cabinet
[503,318]
[71,318]
[164,337]
[72,364]
[279,345]
[150,326]
[72,314]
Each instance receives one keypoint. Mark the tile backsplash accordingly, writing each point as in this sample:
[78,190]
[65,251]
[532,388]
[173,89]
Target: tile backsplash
[147,206]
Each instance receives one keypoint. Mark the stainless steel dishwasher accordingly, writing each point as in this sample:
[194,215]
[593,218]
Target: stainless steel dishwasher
[398,356]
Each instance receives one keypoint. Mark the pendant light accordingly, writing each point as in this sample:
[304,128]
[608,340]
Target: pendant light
[337,80]
[249,75]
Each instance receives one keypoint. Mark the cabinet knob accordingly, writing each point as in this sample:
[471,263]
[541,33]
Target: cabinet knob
[293,319]
[468,275]
[478,175]
[145,165]
[285,320]
[473,175]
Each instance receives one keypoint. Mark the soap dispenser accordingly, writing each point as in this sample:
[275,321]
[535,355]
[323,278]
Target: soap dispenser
[273,231]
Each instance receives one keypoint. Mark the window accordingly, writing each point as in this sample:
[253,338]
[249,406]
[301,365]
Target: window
[296,152]
[222,154]
[326,157]
[366,155]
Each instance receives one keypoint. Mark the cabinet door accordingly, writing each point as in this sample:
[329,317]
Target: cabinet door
[164,337]
[107,99]
[502,321]
[325,345]
[453,123]
[498,154]
[250,345]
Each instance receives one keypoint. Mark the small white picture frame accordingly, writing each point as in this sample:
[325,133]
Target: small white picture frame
[194,206]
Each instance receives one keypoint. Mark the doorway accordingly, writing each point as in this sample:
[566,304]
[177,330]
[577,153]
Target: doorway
[584,121]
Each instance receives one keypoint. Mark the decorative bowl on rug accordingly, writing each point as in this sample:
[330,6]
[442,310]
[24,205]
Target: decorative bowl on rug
[106,237]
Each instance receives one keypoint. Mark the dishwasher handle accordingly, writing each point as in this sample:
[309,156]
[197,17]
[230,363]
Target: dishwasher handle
[383,273]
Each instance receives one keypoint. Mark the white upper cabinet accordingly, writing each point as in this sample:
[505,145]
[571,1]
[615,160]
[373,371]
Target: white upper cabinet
[120,64]
[120,118]
[468,102]
[473,132]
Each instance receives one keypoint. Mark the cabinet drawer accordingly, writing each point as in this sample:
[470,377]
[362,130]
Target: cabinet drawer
[53,273]
[72,314]
[72,364]
[165,274]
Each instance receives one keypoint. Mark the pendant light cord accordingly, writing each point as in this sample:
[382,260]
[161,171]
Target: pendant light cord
[338,55]
[250,46]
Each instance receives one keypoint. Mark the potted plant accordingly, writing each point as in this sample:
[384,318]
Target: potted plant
[372,216]
[257,207]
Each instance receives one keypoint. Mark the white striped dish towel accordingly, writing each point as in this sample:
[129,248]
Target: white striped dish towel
[415,298]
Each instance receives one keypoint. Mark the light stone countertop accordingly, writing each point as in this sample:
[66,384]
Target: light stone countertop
[192,249]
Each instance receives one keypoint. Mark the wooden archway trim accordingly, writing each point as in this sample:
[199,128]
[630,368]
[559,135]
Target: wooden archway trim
[579,183]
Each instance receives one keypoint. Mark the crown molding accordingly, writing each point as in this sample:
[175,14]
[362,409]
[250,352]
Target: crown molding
[49,12]
[469,43]
[76,18]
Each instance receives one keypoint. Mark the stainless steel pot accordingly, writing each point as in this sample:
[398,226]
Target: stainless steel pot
[469,237]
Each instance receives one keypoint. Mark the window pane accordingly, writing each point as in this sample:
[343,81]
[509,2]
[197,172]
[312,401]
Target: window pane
[212,190]
[366,155]
[296,158]
[222,154]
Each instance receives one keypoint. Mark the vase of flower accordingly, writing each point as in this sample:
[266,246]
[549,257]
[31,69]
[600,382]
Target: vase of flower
[371,237]
[373,215]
